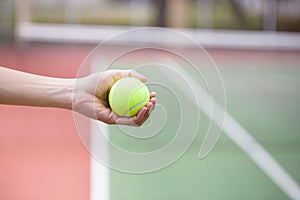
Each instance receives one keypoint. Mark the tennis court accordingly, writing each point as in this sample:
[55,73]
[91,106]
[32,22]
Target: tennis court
[262,96]
[226,123]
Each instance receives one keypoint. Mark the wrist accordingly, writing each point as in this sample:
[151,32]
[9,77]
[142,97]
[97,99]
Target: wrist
[62,93]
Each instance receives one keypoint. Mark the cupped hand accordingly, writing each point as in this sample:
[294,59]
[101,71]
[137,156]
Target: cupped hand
[90,98]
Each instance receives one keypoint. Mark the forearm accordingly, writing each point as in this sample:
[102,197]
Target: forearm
[19,88]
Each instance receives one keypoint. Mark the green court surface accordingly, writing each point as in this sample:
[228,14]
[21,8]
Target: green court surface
[263,96]
[262,89]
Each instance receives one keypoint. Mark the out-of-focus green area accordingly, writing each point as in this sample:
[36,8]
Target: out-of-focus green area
[262,96]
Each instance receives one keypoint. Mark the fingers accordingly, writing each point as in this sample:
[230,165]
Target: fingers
[145,112]
[138,120]
[133,121]
[108,78]
[142,115]
[118,74]
[134,74]
[153,98]
[152,94]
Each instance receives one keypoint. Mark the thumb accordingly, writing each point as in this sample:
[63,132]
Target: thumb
[134,74]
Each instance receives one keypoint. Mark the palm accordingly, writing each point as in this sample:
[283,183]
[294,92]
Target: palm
[94,104]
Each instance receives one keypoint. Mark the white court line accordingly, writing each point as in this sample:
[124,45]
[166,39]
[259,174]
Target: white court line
[242,138]
[99,174]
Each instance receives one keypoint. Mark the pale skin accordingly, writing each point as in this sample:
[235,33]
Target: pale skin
[87,95]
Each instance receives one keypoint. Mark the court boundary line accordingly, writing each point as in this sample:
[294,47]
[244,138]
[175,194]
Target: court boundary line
[242,138]
[99,174]
[93,34]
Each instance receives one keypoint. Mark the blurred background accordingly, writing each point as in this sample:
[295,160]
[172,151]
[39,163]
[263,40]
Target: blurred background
[255,44]
[275,15]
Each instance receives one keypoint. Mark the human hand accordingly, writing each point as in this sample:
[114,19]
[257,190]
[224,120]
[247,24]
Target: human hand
[90,98]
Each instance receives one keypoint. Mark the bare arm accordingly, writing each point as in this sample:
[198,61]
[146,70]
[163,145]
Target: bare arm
[88,98]
[20,88]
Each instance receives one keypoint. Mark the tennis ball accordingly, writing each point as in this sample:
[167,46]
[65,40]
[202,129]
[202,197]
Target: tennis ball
[127,96]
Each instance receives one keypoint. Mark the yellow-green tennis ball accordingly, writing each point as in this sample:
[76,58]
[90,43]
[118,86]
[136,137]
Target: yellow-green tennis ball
[127,96]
